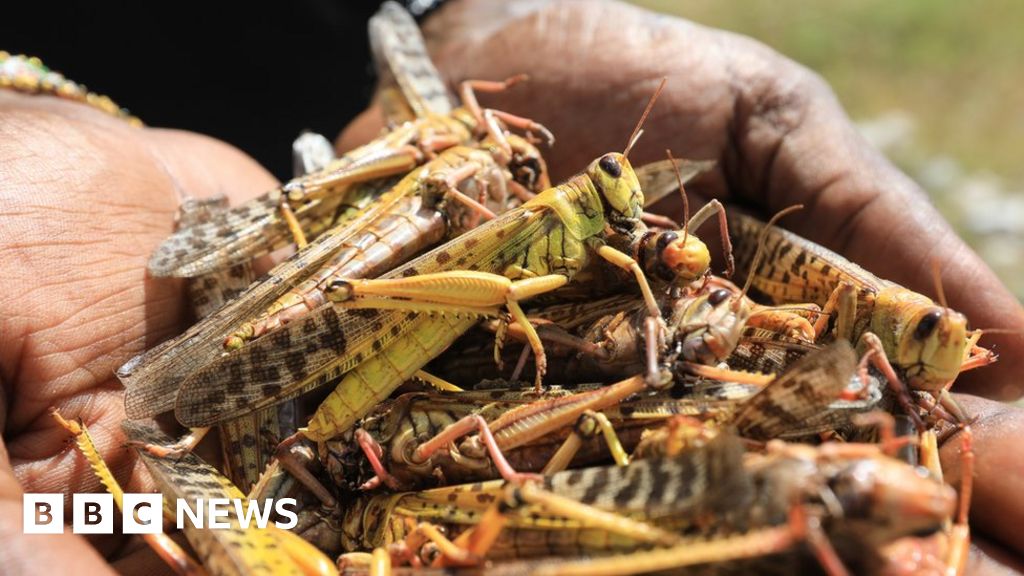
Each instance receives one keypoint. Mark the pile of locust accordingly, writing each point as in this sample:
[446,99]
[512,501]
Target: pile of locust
[465,366]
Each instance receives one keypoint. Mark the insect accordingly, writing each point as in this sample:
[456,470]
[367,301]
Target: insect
[235,550]
[551,235]
[405,225]
[911,337]
[368,242]
[305,205]
[766,505]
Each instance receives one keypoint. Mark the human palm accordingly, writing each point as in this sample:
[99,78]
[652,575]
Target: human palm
[86,199]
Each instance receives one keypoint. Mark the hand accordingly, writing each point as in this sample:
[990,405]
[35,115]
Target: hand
[85,199]
[780,138]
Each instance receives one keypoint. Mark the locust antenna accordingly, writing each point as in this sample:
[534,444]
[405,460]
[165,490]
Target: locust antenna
[643,117]
[937,278]
[756,261]
[682,192]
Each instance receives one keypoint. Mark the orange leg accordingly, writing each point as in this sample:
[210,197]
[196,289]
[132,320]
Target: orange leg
[461,428]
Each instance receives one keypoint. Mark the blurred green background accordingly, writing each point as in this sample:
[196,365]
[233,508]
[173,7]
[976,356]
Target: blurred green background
[938,85]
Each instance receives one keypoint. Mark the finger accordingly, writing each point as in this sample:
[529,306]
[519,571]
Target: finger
[987,558]
[365,127]
[997,509]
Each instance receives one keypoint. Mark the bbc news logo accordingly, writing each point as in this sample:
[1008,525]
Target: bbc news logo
[143,513]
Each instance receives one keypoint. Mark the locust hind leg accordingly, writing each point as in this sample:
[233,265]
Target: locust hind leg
[464,426]
[455,291]
[762,542]
[477,541]
[166,548]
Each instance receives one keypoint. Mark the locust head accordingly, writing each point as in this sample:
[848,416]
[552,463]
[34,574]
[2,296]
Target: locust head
[925,341]
[883,498]
[710,326]
[675,256]
[614,179]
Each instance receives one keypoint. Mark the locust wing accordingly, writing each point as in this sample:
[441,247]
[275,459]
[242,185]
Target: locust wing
[707,479]
[786,406]
[331,340]
[152,378]
[794,269]
[409,86]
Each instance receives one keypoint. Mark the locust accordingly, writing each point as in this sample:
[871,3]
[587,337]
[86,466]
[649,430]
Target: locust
[232,551]
[761,506]
[610,340]
[366,241]
[535,247]
[416,439]
[304,206]
[912,339]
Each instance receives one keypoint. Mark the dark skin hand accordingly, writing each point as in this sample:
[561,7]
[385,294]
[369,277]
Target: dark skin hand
[87,198]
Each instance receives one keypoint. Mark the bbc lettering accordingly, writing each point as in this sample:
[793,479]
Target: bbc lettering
[143,513]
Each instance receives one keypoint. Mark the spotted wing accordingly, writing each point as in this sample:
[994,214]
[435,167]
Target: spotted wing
[331,340]
[702,479]
[409,84]
[152,378]
[786,406]
[794,269]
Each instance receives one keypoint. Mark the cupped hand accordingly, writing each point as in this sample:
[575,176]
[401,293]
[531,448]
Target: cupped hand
[85,198]
[779,136]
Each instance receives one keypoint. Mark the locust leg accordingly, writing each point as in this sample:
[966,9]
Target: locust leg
[168,550]
[453,291]
[177,450]
[477,541]
[960,533]
[787,320]
[654,325]
[727,375]
[886,425]
[588,425]
[487,118]
[447,181]
[461,428]
[437,382]
[299,191]
[701,216]
[754,544]
[378,562]
[842,302]
[876,356]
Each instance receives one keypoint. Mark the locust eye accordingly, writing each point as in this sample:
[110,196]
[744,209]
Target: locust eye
[718,296]
[610,165]
[927,324]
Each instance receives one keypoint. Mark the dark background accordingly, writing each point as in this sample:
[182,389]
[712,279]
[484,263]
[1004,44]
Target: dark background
[253,76]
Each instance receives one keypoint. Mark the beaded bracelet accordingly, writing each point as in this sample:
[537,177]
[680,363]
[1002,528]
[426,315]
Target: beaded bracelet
[29,75]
